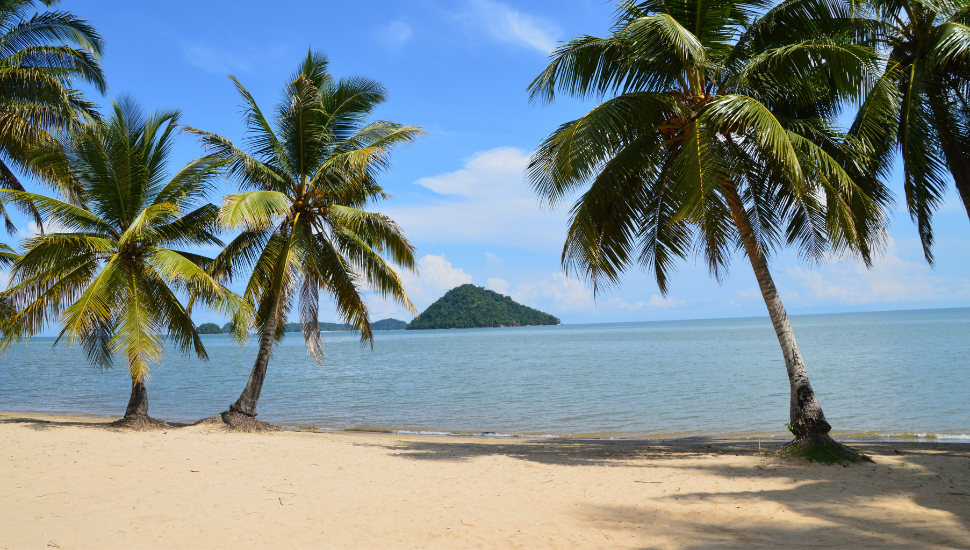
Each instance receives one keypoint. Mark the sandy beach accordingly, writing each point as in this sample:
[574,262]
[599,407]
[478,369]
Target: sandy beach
[71,483]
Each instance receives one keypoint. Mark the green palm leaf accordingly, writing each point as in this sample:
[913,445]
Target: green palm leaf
[41,55]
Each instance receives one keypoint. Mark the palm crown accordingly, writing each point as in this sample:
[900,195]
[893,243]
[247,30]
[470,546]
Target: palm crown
[715,105]
[719,139]
[40,56]
[918,107]
[113,271]
[303,226]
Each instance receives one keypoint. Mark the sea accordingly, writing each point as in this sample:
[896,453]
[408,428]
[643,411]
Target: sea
[884,375]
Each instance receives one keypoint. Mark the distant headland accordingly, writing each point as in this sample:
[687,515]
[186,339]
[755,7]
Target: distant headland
[470,306]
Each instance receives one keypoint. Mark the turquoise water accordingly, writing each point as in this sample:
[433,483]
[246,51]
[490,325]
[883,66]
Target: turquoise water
[888,374]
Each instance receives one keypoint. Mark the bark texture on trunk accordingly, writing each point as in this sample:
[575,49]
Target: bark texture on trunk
[956,161]
[805,413]
[246,404]
[138,402]
[807,421]
[136,415]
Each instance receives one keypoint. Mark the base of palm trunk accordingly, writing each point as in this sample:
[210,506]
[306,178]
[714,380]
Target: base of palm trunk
[821,448]
[237,422]
[140,423]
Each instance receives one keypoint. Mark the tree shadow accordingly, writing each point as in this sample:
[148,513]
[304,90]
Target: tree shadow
[842,512]
[576,452]
[42,424]
[855,506]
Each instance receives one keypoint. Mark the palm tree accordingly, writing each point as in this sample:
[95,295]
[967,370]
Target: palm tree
[303,227]
[40,56]
[112,271]
[919,105]
[718,140]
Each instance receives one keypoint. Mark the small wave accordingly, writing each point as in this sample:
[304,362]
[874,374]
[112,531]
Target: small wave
[851,436]
[422,432]
[918,436]
[497,435]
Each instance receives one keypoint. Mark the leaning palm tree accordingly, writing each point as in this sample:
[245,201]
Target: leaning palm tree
[41,55]
[718,140]
[112,271]
[303,227]
[918,107]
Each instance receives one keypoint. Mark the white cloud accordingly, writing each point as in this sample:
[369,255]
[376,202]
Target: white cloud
[562,294]
[891,279]
[50,226]
[566,293]
[498,285]
[659,302]
[491,260]
[509,25]
[394,34]
[235,58]
[436,275]
[486,202]
[216,60]
[749,294]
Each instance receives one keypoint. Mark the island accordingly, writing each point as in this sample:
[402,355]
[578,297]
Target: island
[209,328]
[470,306]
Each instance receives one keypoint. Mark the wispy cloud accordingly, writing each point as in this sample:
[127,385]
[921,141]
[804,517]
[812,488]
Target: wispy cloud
[233,59]
[493,261]
[892,279]
[50,226]
[562,294]
[506,24]
[394,35]
[216,60]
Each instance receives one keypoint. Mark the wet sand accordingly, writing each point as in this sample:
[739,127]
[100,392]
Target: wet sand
[71,483]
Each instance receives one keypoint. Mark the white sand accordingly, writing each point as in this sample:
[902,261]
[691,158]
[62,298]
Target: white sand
[67,483]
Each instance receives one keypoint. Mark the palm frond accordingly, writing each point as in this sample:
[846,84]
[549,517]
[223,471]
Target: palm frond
[254,210]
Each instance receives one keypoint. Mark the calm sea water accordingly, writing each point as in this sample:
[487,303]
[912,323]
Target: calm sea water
[890,374]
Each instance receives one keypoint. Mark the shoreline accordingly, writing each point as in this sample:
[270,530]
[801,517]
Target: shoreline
[846,437]
[70,482]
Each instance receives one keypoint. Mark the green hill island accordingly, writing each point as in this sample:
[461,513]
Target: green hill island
[470,306]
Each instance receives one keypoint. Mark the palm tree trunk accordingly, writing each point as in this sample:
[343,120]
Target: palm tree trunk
[805,413]
[956,161]
[246,404]
[138,402]
[136,415]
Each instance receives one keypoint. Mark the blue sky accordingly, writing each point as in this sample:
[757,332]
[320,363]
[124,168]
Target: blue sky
[459,69]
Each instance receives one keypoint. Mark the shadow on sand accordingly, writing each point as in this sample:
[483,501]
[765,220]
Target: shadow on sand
[53,422]
[847,507]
